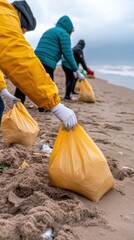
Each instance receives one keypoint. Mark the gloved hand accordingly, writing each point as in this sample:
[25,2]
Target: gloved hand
[7,97]
[79,75]
[89,71]
[65,115]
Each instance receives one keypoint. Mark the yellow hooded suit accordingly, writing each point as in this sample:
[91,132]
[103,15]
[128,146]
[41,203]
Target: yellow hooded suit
[20,64]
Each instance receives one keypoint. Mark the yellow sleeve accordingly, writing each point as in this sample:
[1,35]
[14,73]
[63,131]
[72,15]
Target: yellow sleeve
[2,81]
[20,64]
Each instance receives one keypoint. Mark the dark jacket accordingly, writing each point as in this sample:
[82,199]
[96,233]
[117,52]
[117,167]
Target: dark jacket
[78,55]
[55,42]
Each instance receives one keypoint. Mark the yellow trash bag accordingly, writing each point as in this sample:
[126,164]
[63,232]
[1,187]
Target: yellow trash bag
[86,91]
[77,164]
[18,126]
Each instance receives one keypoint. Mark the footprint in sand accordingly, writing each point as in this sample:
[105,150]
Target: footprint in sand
[23,191]
[126,113]
[113,127]
[102,141]
[125,172]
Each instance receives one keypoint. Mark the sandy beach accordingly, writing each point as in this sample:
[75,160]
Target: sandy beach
[29,204]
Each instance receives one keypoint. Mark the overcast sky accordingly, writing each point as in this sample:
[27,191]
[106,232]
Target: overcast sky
[106,25]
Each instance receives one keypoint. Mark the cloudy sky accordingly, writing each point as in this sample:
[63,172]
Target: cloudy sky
[106,25]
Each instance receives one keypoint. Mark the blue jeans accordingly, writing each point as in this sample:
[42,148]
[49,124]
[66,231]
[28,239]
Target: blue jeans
[1,108]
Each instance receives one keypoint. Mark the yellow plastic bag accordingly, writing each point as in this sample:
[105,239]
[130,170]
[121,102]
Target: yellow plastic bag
[86,91]
[77,164]
[18,126]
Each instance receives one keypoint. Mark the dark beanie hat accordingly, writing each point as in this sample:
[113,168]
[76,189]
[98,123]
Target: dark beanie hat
[82,43]
[27,19]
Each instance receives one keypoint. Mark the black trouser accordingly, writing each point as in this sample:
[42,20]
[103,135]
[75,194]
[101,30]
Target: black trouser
[1,108]
[51,73]
[73,88]
[70,80]
[19,94]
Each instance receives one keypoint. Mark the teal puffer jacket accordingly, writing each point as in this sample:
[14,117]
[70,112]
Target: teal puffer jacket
[56,42]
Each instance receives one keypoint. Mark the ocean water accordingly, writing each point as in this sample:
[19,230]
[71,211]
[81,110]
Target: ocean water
[117,75]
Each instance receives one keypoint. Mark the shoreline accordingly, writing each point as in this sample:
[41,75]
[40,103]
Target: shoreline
[118,74]
[107,81]
[118,80]
[28,201]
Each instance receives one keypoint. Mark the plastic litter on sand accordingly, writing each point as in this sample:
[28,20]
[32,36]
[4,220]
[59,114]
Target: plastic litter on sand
[45,148]
[48,234]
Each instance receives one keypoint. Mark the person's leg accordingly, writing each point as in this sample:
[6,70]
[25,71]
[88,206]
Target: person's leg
[73,88]
[1,108]
[20,95]
[70,79]
[50,71]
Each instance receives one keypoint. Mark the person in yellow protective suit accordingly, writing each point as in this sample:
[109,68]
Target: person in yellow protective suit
[28,23]
[19,63]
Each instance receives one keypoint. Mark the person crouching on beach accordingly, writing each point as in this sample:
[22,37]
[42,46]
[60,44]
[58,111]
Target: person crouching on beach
[54,43]
[20,64]
[69,73]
